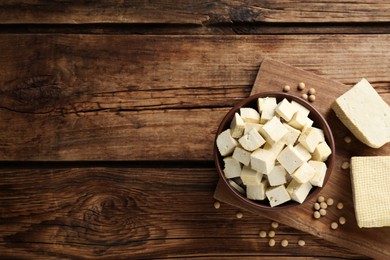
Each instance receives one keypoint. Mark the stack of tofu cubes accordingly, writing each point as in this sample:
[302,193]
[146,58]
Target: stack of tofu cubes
[274,152]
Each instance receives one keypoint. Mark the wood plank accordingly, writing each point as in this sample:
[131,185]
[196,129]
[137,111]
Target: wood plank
[188,12]
[126,97]
[374,242]
[137,213]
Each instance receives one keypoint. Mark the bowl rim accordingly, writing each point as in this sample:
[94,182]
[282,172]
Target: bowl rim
[319,120]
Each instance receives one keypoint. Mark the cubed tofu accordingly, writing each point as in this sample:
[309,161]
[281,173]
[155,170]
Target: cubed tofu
[262,161]
[322,152]
[277,195]
[310,139]
[299,107]
[237,126]
[292,135]
[320,132]
[249,115]
[299,120]
[267,108]
[274,148]
[226,143]
[232,167]
[304,173]
[285,110]
[237,187]
[303,151]
[298,191]
[273,131]
[252,140]
[290,159]
[250,176]
[242,155]
[308,125]
[320,173]
[277,176]
[257,192]
[250,126]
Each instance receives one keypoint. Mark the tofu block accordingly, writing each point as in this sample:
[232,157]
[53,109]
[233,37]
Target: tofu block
[290,159]
[277,176]
[299,120]
[322,152]
[298,191]
[320,132]
[252,140]
[304,173]
[302,150]
[365,114]
[250,126]
[249,115]
[308,125]
[250,176]
[273,131]
[277,195]
[310,139]
[320,173]
[370,177]
[226,143]
[257,192]
[237,126]
[275,148]
[232,167]
[285,110]
[292,135]
[242,155]
[299,107]
[267,108]
[262,161]
[237,187]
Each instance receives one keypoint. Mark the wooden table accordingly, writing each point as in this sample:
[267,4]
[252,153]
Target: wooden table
[108,113]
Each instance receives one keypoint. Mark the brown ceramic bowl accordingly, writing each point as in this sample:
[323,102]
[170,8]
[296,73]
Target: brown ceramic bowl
[319,121]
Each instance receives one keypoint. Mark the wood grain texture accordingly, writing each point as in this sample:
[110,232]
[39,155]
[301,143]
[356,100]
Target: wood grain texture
[123,97]
[134,213]
[189,12]
[372,242]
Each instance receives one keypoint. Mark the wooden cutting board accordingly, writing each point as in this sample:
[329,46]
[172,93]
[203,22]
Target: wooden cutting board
[373,242]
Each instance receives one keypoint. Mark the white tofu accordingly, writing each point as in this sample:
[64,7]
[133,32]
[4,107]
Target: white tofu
[250,126]
[299,107]
[320,132]
[285,110]
[262,161]
[277,195]
[365,114]
[237,187]
[290,159]
[237,126]
[226,143]
[303,151]
[232,167]
[292,135]
[320,173]
[298,191]
[273,131]
[308,125]
[250,176]
[304,173]
[322,152]
[299,120]
[257,192]
[252,140]
[242,155]
[249,115]
[277,176]
[275,148]
[267,108]
[310,139]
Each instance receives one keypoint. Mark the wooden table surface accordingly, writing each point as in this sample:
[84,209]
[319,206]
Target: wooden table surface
[108,113]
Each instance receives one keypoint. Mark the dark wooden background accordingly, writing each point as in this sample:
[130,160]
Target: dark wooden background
[108,112]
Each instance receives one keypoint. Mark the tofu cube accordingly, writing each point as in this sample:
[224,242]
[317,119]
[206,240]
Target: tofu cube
[277,176]
[262,161]
[237,187]
[275,148]
[302,150]
[226,143]
[267,108]
[310,139]
[322,152]
[292,135]
[252,140]
[249,115]
[320,132]
[250,176]
[304,173]
[273,131]
[242,155]
[320,173]
[290,159]
[237,126]
[257,192]
[299,120]
[285,110]
[232,167]
[299,107]
[308,125]
[250,126]
[299,191]
[277,195]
